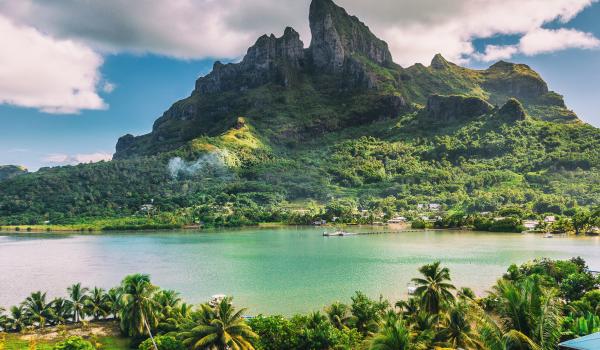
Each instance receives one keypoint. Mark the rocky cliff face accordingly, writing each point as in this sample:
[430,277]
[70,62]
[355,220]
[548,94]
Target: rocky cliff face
[337,36]
[446,109]
[270,59]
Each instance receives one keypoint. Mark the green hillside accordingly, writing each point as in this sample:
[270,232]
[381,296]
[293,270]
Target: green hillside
[290,129]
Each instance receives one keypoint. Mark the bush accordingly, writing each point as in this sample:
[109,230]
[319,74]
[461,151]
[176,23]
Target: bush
[73,343]
[163,342]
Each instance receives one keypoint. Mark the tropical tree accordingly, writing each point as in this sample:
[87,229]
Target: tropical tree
[220,328]
[531,309]
[3,320]
[393,336]
[17,319]
[96,304]
[434,288]
[494,335]
[338,314]
[62,310]
[367,313]
[139,312]
[113,302]
[457,331]
[77,299]
[38,309]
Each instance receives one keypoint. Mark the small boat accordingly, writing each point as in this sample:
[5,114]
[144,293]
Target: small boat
[411,288]
[216,299]
[548,235]
[339,233]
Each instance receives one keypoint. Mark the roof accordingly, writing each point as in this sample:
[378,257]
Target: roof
[589,342]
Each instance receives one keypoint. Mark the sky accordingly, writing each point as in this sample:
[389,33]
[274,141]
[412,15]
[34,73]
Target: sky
[76,75]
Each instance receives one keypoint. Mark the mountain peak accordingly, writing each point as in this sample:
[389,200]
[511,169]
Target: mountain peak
[439,62]
[337,36]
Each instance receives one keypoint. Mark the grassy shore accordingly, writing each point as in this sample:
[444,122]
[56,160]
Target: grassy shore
[103,335]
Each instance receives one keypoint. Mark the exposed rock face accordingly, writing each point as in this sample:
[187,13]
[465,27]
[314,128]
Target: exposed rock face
[446,109]
[123,144]
[517,80]
[337,36]
[512,110]
[271,59]
[439,62]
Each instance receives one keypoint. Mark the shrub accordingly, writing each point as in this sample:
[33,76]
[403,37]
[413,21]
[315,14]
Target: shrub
[163,342]
[73,343]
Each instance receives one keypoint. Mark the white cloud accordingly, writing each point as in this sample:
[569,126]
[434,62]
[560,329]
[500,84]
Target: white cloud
[541,41]
[38,71]
[545,40]
[72,159]
[225,28]
[497,52]
[415,30]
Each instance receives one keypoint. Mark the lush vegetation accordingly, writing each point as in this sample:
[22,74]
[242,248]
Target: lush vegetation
[533,306]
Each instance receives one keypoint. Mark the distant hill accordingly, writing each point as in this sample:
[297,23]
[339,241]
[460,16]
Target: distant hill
[289,126]
[9,171]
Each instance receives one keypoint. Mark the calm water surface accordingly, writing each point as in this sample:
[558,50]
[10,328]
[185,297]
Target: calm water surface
[281,270]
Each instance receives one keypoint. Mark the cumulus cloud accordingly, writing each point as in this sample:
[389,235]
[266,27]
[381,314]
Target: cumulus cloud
[541,41]
[39,71]
[415,30]
[545,40]
[72,159]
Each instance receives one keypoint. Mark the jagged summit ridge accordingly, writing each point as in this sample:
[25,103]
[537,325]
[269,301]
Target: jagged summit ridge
[336,36]
[265,61]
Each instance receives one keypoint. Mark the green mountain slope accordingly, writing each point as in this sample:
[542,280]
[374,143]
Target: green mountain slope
[290,125]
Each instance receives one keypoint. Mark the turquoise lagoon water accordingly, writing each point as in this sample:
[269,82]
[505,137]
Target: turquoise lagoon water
[281,270]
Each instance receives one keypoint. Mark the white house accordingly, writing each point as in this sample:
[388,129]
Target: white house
[550,219]
[397,220]
[530,224]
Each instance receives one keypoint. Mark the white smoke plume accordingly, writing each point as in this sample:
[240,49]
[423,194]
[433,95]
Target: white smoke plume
[212,164]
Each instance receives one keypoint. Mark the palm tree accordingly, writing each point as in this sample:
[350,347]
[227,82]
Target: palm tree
[221,328]
[434,288]
[62,310]
[338,314]
[393,336]
[113,302]
[38,309]
[17,320]
[96,304]
[457,331]
[495,337]
[529,308]
[3,320]
[138,312]
[77,296]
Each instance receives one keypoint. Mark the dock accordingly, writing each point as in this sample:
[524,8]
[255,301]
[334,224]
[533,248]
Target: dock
[345,234]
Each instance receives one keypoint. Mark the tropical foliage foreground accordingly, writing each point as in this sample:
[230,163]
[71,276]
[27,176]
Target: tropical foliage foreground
[533,306]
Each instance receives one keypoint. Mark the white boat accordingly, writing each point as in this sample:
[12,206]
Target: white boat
[548,235]
[338,233]
[411,288]
[216,299]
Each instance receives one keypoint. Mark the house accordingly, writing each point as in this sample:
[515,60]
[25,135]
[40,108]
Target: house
[420,206]
[530,224]
[499,218]
[435,206]
[147,208]
[424,218]
[320,222]
[550,219]
[397,220]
